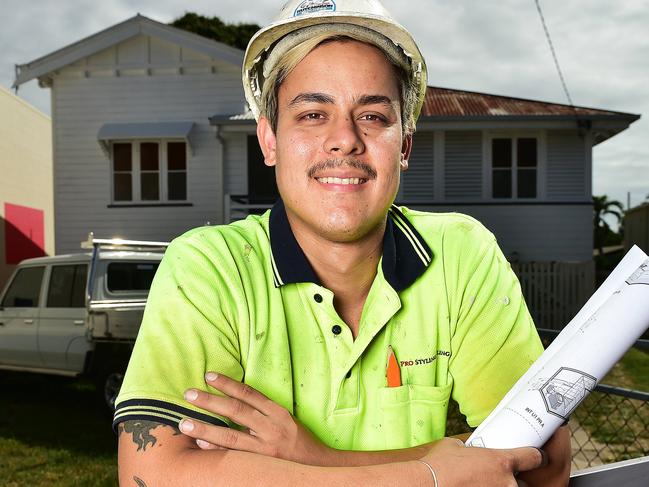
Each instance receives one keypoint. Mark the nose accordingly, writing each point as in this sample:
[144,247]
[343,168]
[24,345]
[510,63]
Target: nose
[344,138]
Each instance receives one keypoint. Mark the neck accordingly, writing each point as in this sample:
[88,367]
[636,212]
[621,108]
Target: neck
[346,268]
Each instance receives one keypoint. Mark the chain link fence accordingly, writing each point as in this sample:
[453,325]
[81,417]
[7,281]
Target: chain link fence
[612,424]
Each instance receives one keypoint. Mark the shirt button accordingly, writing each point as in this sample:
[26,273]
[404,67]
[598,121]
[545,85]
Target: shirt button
[348,374]
[317,298]
[336,329]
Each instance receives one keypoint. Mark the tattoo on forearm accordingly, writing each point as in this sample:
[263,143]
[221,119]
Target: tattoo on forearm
[139,482]
[141,431]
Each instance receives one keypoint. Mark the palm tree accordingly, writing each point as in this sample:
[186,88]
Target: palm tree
[602,206]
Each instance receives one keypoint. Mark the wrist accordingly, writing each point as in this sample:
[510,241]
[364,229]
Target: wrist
[325,456]
[431,470]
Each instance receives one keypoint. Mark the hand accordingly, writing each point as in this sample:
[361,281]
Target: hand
[458,465]
[271,429]
[557,472]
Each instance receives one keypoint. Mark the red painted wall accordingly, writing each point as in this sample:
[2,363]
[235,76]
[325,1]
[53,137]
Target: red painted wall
[24,233]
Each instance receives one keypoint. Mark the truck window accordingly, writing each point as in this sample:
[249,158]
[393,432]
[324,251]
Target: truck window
[130,276]
[25,288]
[67,286]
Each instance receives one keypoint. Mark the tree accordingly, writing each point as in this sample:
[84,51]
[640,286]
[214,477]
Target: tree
[602,232]
[236,35]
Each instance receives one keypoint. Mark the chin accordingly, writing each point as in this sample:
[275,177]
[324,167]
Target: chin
[343,229]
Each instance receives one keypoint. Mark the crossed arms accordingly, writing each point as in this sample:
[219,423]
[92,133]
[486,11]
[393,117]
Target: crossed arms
[275,449]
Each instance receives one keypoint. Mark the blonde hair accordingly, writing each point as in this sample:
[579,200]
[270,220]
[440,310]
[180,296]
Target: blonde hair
[408,89]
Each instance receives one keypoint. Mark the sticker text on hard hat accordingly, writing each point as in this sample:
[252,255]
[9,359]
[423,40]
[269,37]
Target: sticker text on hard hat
[312,6]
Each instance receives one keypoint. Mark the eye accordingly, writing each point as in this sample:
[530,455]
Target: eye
[313,116]
[373,117]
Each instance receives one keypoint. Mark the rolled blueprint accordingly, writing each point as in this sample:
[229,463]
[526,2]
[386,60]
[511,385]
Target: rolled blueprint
[579,357]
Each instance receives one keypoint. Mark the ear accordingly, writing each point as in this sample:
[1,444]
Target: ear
[267,141]
[406,149]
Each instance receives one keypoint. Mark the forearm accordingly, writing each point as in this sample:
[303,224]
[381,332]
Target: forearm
[172,461]
[198,468]
[348,458]
[360,458]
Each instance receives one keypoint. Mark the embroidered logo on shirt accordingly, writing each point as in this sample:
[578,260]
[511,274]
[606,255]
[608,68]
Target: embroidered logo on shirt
[424,360]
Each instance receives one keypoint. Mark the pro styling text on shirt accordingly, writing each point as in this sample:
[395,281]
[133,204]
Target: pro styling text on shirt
[425,360]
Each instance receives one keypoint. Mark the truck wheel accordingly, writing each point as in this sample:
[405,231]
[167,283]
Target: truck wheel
[108,387]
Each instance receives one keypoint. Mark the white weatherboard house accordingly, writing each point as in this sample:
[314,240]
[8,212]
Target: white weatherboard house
[150,139]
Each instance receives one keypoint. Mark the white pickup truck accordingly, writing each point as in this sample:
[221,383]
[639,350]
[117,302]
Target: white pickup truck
[78,314]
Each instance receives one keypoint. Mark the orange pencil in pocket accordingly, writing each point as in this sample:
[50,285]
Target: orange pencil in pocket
[392,371]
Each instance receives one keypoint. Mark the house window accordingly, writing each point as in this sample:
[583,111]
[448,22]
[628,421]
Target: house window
[149,171]
[176,171]
[122,172]
[514,164]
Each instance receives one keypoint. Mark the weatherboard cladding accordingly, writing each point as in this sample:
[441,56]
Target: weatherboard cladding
[418,180]
[236,167]
[566,165]
[532,231]
[463,161]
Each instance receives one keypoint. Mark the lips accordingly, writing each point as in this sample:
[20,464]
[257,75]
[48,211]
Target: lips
[342,169]
[343,181]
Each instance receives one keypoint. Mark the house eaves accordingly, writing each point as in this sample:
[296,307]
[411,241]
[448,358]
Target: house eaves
[42,67]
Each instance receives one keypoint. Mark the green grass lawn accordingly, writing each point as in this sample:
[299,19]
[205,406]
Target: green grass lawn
[633,372]
[52,433]
[618,422]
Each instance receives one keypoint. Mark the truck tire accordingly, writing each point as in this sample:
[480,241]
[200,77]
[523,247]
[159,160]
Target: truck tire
[108,385]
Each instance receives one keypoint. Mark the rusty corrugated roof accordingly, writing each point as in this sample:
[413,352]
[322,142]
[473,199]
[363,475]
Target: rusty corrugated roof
[445,102]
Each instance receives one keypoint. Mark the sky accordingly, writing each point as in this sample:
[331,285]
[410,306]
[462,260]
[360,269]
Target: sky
[477,45]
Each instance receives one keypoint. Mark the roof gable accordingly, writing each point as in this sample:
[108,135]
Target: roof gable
[121,32]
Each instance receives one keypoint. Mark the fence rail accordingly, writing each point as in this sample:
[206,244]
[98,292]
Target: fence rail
[239,206]
[555,291]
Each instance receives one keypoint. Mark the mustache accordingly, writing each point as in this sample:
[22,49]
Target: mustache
[336,163]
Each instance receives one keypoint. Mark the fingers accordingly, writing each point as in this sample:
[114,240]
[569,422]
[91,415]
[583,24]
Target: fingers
[234,409]
[242,392]
[218,436]
[205,445]
[527,458]
[462,437]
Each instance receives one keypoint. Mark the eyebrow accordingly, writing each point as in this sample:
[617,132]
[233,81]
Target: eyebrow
[317,97]
[374,100]
[311,98]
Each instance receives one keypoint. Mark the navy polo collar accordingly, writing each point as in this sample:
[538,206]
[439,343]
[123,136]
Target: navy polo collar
[405,253]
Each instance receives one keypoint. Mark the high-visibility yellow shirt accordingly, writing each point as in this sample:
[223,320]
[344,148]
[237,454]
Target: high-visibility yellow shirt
[242,300]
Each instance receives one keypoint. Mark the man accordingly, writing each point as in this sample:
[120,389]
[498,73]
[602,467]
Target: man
[319,343]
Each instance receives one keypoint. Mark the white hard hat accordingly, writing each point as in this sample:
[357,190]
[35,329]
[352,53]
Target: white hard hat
[341,15]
